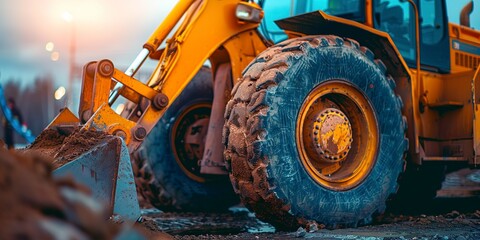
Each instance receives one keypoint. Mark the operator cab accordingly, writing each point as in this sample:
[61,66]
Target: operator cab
[395,17]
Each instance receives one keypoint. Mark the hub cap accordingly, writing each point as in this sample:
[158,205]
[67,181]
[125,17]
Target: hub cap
[332,135]
[337,135]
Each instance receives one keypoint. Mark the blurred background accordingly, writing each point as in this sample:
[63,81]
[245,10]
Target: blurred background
[44,45]
[41,41]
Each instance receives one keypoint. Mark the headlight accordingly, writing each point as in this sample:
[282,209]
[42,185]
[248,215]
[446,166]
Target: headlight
[249,12]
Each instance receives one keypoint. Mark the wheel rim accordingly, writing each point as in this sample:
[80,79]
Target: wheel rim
[188,139]
[337,135]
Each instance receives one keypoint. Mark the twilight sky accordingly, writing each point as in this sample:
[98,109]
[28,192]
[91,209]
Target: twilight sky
[114,29]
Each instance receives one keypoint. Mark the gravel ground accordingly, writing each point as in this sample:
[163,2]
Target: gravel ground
[448,217]
[239,223]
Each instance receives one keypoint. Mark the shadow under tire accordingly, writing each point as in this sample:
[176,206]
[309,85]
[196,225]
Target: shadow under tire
[169,183]
[418,188]
[277,164]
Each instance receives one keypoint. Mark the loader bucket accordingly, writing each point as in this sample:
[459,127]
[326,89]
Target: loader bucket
[93,158]
[107,171]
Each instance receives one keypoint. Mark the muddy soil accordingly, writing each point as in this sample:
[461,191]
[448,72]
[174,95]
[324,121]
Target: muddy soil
[65,147]
[47,143]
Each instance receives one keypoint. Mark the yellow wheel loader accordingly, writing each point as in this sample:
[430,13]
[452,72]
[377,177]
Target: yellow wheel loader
[323,126]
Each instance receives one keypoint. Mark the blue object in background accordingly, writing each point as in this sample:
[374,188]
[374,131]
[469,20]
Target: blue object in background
[24,132]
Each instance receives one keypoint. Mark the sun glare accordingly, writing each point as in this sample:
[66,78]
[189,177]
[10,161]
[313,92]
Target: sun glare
[59,93]
[120,108]
[49,46]
[67,16]
[55,56]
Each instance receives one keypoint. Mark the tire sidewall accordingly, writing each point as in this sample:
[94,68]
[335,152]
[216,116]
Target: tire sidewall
[293,184]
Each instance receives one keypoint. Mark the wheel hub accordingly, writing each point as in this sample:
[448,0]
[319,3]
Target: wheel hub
[332,135]
[337,135]
[188,139]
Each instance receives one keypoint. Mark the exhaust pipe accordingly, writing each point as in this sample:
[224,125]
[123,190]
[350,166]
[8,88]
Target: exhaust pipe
[465,14]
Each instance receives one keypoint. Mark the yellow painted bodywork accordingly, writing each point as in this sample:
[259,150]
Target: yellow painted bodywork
[446,116]
[108,120]
[463,61]
[441,104]
[476,116]
[65,117]
[447,121]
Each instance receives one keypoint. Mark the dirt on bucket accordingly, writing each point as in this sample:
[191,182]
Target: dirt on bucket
[63,147]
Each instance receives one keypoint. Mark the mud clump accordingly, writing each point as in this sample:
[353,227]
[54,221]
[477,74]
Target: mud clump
[64,148]
[33,205]
[48,138]
[47,143]
[77,143]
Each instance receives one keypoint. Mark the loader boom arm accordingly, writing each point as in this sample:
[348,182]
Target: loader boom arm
[195,40]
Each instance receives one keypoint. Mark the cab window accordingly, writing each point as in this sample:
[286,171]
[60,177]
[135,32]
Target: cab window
[431,21]
[349,9]
[394,17]
[275,10]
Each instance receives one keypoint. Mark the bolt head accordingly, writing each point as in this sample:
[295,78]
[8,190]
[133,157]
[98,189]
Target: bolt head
[121,134]
[140,133]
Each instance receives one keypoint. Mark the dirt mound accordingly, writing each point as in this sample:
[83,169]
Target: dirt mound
[65,147]
[35,206]
[48,138]
[77,143]
[47,143]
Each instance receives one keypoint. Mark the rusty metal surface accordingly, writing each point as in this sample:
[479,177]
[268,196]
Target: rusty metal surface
[212,159]
[332,134]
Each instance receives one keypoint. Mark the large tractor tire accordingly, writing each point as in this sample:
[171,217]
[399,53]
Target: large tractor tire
[168,162]
[314,131]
